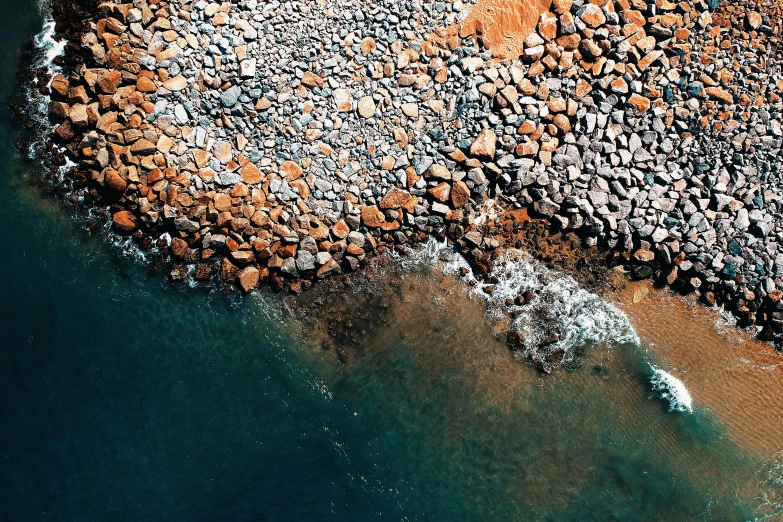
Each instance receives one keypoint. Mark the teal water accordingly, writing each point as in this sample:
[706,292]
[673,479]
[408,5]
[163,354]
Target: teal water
[124,399]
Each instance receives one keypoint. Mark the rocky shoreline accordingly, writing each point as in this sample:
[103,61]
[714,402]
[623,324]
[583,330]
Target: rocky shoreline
[289,142]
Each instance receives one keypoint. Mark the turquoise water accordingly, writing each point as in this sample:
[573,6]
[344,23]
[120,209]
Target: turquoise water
[122,398]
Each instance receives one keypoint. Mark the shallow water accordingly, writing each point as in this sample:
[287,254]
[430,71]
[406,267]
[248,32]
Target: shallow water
[124,399]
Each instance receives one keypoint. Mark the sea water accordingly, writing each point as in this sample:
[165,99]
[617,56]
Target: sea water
[124,398]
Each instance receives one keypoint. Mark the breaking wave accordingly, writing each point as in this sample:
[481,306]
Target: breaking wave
[559,312]
[672,390]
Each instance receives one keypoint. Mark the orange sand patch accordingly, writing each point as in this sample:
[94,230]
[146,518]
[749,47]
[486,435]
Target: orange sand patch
[504,24]
[726,371]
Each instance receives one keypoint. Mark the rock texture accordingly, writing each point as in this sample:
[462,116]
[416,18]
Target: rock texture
[287,141]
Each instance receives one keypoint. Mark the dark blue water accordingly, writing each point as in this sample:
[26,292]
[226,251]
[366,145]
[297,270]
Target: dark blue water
[124,399]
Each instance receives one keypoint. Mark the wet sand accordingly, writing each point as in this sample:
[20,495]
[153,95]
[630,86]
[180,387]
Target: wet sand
[422,344]
[726,371]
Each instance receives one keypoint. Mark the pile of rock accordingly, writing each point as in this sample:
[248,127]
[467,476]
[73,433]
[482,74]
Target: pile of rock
[652,129]
[288,140]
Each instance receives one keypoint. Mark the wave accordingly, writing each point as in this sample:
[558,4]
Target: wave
[672,390]
[38,106]
[557,312]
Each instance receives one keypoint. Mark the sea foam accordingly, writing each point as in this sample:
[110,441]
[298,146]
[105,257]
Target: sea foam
[559,303]
[672,390]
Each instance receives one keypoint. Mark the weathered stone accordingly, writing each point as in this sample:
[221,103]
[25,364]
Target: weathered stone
[176,84]
[366,107]
[372,217]
[484,145]
[342,98]
[125,221]
[394,199]
[248,278]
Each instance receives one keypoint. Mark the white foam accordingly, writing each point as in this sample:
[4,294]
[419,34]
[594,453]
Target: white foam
[559,303]
[46,42]
[672,390]
[39,105]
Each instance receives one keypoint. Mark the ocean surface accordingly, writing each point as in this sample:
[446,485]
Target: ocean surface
[124,398]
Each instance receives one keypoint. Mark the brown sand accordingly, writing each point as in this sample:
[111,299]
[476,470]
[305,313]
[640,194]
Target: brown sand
[725,370]
[504,24]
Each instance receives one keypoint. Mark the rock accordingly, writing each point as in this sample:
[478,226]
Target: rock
[108,82]
[247,68]
[372,217]
[305,261]
[546,207]
[342,98]
[640,103]
[291,170]
[251,175]
[78,115]
[547,26]
[222,151]
[561,6]
[144,84]
[484,145]
[367,45]
[289,267]
[311,80]
[176,84]
[60,85]
[143,147]
[439,172]
[719,94]
[329,268]
[753,20]
[248,278]
[460,194]
[592,15]
[341,229]
[562,122]
[366,107]
[231,96]
[113,180]
[124,220]
[410,110]
[59,110]
[644,256]
[441,191]
[394,199]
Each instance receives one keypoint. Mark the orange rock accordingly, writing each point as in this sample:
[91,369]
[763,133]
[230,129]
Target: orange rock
[460,194]
[547,26]
[341,229]
[144,84]
[291,170]
[592,15]
[367,45]
[113,180]
[60,85]
[640,103]
[395,198]
[582,88]
[250,174]
[562,122]
[124,220]
[441,191]
[484,145]
[248,278]
[109,82]
[719,94]
[569,42]
[311,80]
[372,217]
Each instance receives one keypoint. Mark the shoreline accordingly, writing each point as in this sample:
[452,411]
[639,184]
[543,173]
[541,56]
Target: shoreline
[254,230]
